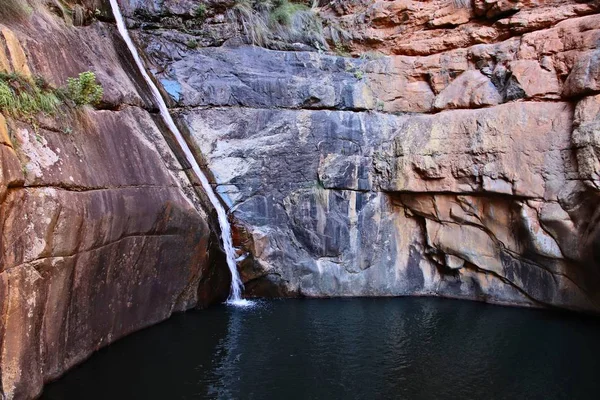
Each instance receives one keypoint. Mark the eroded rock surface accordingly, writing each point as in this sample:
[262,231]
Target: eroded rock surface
[457,154]
[463,164]
[102,232]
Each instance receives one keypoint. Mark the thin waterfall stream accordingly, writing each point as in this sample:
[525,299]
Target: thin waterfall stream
[235,296]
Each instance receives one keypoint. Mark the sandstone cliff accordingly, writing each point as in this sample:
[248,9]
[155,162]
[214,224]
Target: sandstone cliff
[455,155]
[102,232]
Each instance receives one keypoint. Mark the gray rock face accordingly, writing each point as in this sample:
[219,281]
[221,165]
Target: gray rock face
[333,198]
[468,171]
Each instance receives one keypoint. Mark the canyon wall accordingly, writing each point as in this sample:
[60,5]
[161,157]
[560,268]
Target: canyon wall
[449,148]
[456,154]
[102,231]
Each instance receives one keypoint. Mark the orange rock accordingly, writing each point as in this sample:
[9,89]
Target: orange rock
[4,136]
[18,58]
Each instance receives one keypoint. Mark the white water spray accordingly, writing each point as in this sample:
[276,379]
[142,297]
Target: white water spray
[235,296]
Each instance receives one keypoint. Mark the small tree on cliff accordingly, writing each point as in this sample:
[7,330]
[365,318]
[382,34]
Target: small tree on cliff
[84,89]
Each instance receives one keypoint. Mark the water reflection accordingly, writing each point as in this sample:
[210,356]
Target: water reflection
[349,348]
[228,354]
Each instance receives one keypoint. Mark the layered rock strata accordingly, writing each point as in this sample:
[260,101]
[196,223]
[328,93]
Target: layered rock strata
[102,232]
[464,164]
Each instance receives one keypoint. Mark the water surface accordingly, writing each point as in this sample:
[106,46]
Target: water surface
[403,348]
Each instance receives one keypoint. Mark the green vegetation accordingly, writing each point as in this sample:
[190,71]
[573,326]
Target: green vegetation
[21,10]
[200,11]
[192,44]
[21,96]
[341,50]
[84,90]
[80,14]
[356,71]
[372,55]
[253,22]
[284,13]
[266,22]
[339,37]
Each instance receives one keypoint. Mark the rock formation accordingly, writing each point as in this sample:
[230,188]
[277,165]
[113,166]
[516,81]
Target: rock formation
[102,232]
[457,154]
[460,160]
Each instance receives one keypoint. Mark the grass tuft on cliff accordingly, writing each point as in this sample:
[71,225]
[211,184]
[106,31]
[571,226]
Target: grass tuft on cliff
[268,23]
[21,96]
[285,12]
[252,21]
[461,3]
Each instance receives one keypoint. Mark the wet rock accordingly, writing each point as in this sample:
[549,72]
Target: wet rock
[102,232]
[348,184]
[313,212]
[461,160]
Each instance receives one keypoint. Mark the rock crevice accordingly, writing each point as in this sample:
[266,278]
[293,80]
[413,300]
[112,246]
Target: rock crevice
[103,233]
[460,161]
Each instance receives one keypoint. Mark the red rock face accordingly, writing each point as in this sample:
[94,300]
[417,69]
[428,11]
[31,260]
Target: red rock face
[548,64]
[410,27]
[102,233]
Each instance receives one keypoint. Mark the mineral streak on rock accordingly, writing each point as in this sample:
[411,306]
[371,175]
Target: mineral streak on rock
[462,160]
[456,154]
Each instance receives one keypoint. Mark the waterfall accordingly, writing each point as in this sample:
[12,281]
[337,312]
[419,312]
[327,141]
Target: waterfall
[235,296]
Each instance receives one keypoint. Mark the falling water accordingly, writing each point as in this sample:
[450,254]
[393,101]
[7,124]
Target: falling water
[235,297]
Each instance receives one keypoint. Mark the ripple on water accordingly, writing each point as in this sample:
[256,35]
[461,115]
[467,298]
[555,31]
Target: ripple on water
[405,348]
[242,303]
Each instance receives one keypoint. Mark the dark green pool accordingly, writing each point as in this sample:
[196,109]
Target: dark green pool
[405,348]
